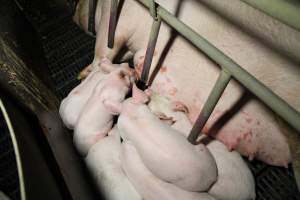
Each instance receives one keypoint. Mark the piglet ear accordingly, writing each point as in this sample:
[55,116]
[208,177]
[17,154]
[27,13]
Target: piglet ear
[138,95]
[113,107]
[106,66]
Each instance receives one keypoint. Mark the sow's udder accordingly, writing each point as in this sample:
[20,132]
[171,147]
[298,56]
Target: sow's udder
[240,123]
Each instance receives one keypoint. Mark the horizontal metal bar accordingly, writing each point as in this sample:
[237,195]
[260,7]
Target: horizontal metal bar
[112,23]
[209,105]
[285,11]
[278,105]
[150,49]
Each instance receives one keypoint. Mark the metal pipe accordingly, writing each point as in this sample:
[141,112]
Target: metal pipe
[153,9]
[91,19]
[209,105]
[150,50]
[16,150]
[278,105]
[112,23]
[282,10]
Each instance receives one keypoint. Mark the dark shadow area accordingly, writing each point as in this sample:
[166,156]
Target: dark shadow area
[67,49]
[235,109]
[20,35]
[41,173]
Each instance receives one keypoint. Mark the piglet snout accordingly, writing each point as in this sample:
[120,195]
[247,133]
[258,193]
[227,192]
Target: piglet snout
[127,75]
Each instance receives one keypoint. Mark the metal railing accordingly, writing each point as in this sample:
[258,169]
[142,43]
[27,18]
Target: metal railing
[287,12]
[229,69]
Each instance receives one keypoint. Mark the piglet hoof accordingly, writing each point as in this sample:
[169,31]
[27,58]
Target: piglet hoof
[105,65]
[168,120]
[84,73]
[138,95]
[251,156]
[179,107]
[149,92]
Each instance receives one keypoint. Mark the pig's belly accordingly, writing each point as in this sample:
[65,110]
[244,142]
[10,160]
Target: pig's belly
[239,121]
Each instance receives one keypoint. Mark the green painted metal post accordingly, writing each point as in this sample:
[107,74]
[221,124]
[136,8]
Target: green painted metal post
[150,50]
[285,11]
[153,9]
[209,105]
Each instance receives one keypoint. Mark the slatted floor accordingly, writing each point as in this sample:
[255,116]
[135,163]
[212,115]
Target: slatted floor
[9,182]
[68,49]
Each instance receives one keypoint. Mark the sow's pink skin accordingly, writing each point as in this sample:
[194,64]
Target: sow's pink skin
[187,75]
[95,121]
[162,148]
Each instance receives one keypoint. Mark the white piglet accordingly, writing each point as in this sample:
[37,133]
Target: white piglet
[72,105]
[165,151]
[235,181]
[95,120]
[103,161]
[147,184]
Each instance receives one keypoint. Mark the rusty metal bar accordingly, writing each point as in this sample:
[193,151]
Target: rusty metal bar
[209,105]
[274,102]
[91,19]
[150,50]
[112,23]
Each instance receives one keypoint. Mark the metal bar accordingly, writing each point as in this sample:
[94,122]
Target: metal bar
[282,10]
[278,105]
[16,150]
[150,50]
[209,105]
[91,19]
[153,9]
[112,23]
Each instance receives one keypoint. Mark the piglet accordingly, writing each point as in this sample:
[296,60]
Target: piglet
[103,162]
[173,113]
[72,105]
[235,181]
[148,185]
[95,121]
[165,151]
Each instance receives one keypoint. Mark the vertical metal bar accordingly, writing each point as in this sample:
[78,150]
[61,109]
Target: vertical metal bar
[150,49]
[209,105]
[112,23]
[153,9]
[91,19]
